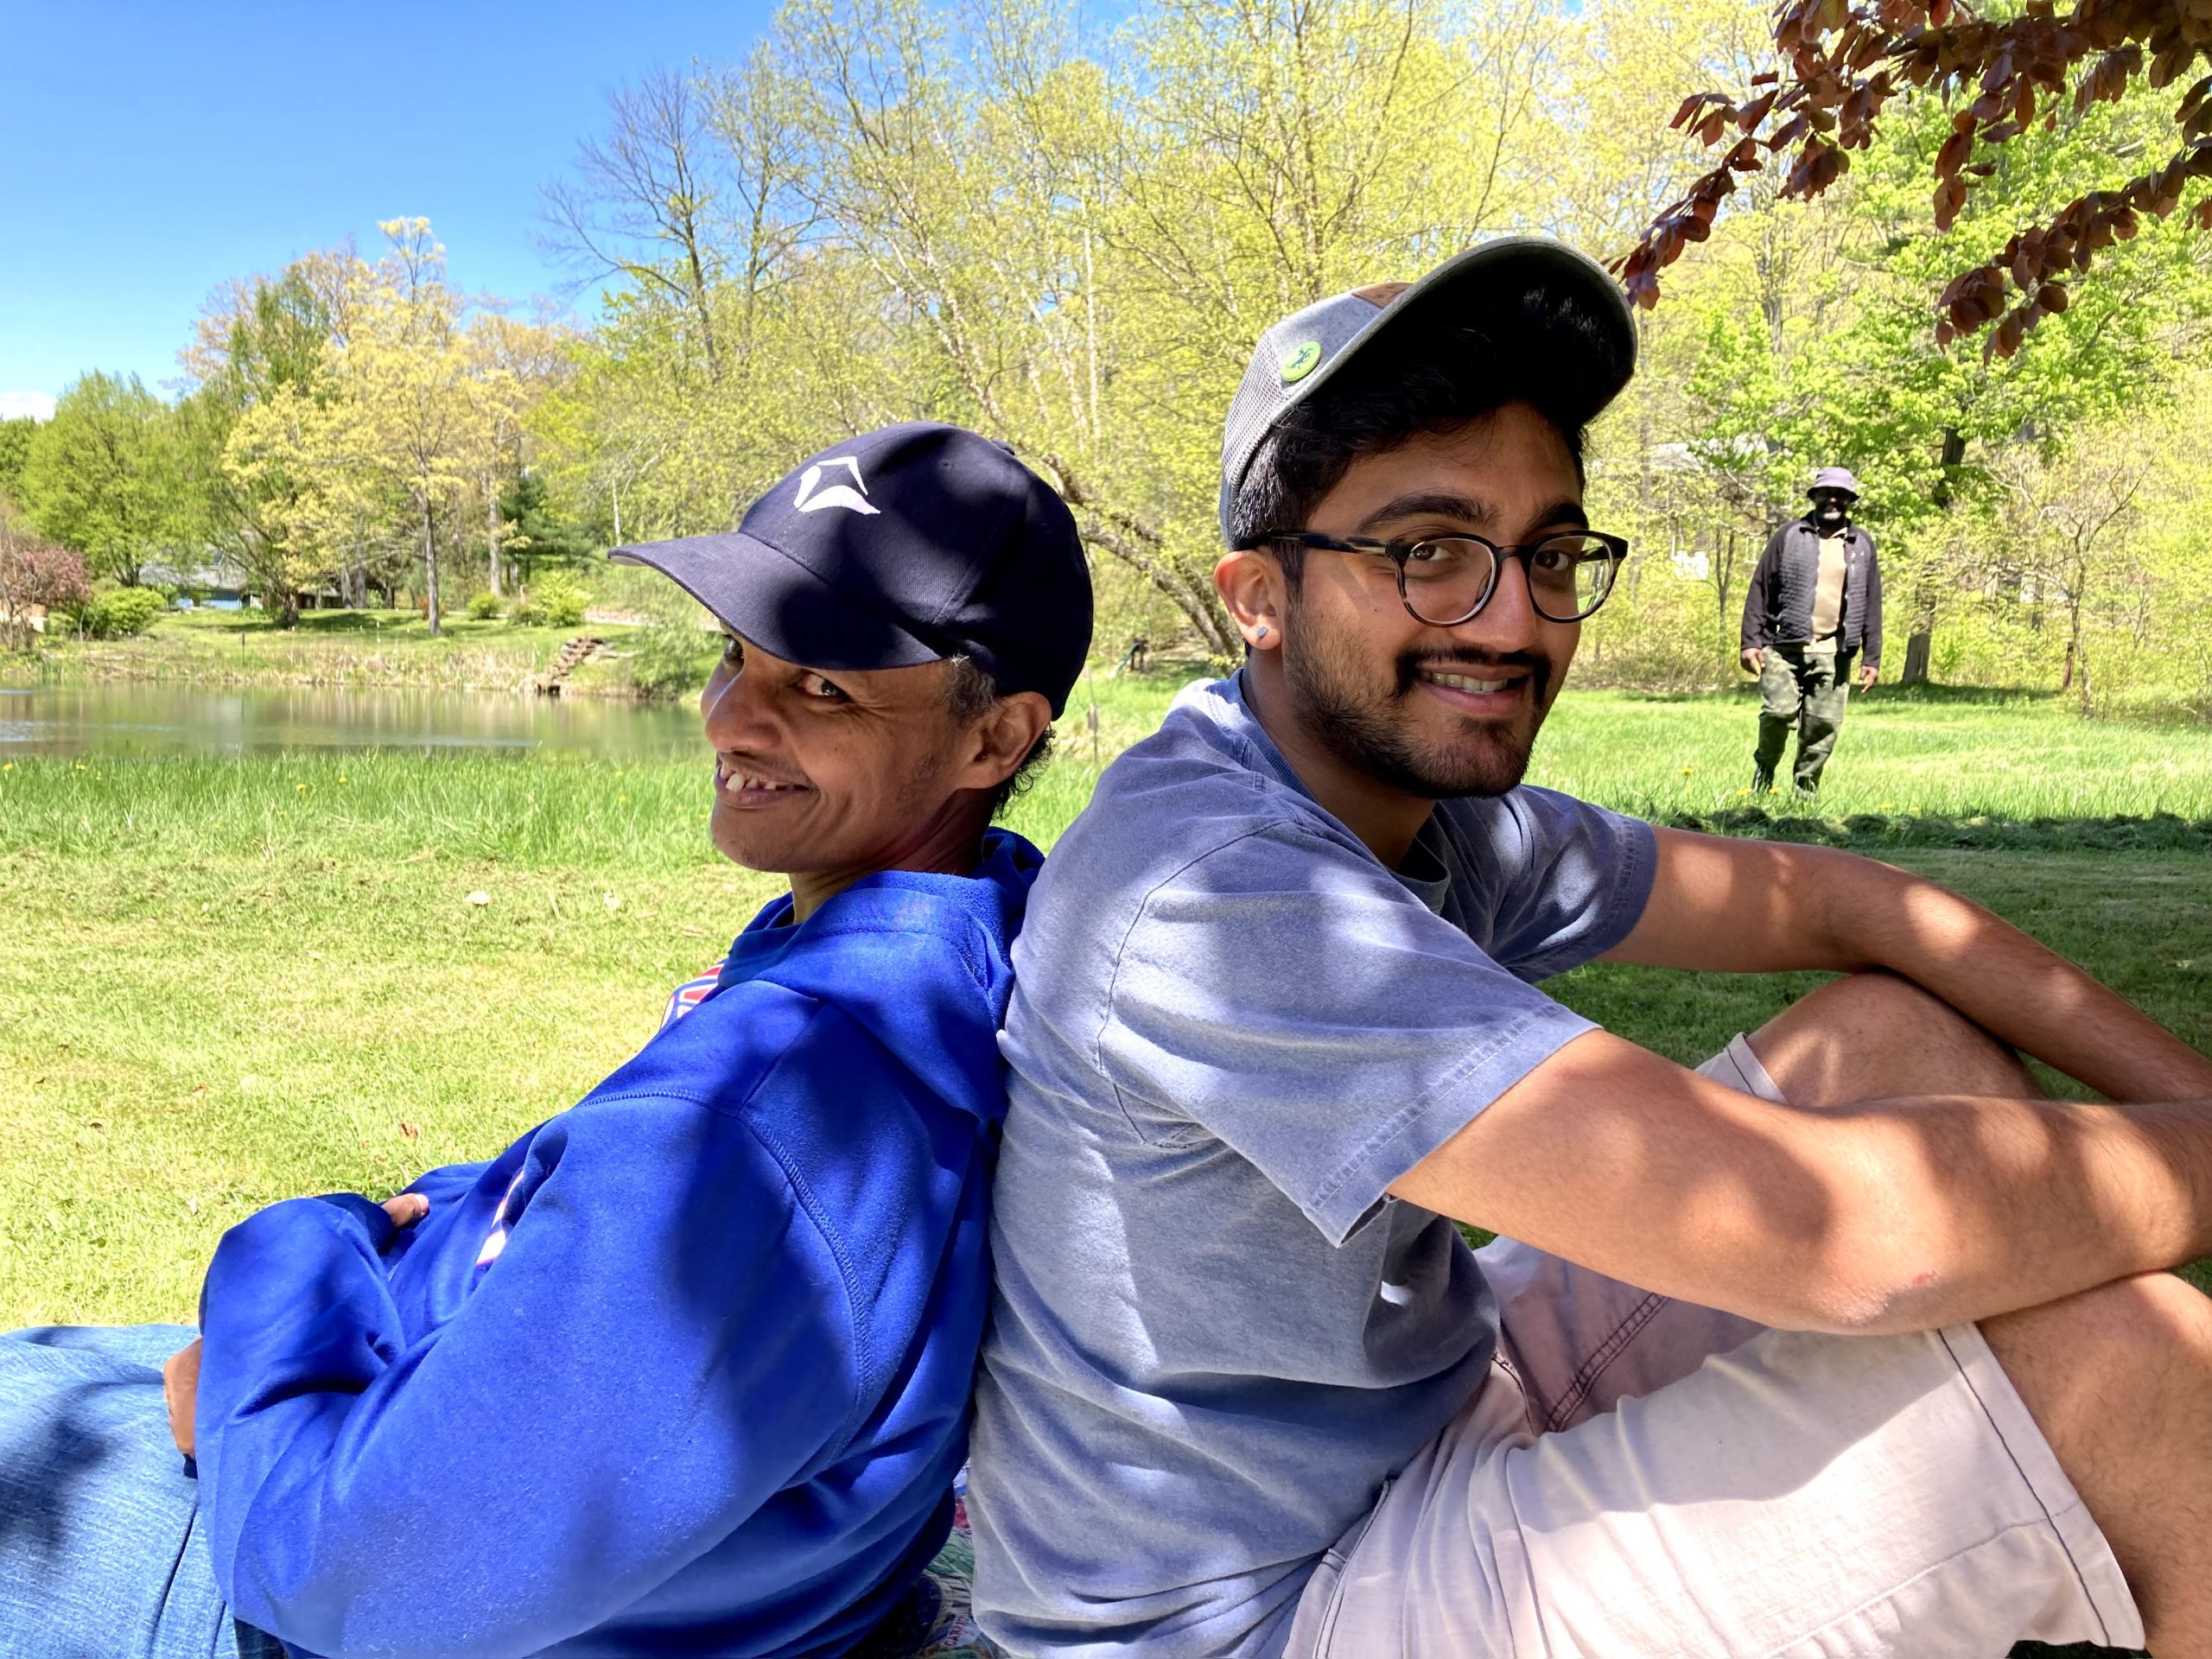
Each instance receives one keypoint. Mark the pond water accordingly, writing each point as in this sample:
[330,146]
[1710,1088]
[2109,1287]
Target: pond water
[164,720]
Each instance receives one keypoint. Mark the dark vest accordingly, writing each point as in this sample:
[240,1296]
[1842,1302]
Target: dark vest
[1796,572]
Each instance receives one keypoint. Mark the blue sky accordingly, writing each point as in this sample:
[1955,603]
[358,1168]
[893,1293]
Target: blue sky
[148,152]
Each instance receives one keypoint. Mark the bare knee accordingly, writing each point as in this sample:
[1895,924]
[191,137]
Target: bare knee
[1873,1035]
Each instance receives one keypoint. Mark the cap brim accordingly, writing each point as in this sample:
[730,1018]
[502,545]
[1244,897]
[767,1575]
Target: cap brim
[1510,262]
[778,604]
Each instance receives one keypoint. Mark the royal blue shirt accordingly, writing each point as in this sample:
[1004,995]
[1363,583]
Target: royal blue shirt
[686,1369]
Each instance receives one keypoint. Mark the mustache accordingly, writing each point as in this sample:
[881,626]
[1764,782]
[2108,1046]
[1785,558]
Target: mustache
[1539,667]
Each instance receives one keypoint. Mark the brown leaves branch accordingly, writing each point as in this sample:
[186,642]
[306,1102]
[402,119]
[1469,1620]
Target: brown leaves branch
[1845,61]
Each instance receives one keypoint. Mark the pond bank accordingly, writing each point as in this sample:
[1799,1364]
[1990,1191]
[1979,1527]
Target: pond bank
[88,719]
[377,648]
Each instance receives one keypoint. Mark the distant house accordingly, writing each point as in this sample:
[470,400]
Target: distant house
[213,583]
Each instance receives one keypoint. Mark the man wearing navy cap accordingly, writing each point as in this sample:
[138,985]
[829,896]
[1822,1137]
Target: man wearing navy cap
[1845,1345]
[686,1369]
[1813,609]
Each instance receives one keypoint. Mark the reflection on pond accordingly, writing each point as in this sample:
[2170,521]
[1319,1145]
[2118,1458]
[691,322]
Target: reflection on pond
[169,719]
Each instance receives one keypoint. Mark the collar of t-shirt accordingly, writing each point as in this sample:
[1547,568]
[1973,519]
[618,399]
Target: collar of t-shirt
[1224,704]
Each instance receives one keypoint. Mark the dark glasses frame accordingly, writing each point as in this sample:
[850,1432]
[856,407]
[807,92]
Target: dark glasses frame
[1616,551]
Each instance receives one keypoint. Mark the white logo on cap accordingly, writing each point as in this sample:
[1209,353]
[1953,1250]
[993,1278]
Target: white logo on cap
[852,496]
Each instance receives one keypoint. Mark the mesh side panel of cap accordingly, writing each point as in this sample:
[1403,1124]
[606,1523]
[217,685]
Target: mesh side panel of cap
[1264,395]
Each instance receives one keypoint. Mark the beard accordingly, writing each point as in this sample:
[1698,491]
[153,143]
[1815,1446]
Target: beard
[1368,727]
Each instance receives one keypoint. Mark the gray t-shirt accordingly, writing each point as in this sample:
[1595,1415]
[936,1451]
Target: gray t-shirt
[1214,1333]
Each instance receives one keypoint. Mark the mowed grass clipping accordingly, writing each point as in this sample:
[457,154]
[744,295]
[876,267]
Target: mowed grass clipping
[229,982]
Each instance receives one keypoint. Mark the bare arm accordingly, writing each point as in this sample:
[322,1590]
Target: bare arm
[1896,1215]
[1722,903]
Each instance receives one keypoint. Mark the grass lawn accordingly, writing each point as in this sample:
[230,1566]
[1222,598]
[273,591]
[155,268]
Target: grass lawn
[228,980]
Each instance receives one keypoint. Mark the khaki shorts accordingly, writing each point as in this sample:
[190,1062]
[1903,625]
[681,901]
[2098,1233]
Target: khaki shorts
[1642,1479]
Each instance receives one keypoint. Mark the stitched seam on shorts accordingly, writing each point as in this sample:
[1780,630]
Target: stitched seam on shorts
[2103,1636]
[1796,1643]
[1578,1389]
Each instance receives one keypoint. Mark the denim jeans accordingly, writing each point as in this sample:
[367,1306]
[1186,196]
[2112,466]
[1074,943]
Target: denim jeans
[101,1552]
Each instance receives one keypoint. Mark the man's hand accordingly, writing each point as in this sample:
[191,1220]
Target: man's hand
[181,1374]
[180,1387]
[1754,659]
[1868,674]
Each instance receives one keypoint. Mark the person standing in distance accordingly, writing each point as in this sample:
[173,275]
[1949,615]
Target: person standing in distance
[1814,606]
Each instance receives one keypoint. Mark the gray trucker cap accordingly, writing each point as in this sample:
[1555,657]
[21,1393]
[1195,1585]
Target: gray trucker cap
[1304,352]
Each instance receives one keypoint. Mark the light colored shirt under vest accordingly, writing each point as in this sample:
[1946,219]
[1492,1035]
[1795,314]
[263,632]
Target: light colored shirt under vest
[1827,591]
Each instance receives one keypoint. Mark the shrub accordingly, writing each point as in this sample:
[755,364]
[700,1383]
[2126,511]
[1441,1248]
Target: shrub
[484,607]
[36,572]
[552,602]
[121,612]
[672,660]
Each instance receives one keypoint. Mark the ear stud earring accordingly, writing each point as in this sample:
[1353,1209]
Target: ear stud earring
[1263,630]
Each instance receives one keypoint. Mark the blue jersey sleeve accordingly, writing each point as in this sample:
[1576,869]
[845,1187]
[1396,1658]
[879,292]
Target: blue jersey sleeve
[662,1341]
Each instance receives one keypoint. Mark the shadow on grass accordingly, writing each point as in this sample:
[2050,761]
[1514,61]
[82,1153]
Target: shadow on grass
[313,623]
[1747,688]
[2160,832]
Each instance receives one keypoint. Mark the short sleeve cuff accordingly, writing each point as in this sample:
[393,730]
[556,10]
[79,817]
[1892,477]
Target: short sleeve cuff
[1354,1195]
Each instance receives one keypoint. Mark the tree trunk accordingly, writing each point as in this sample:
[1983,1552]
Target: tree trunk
[1916,653]
[2075,660]
[1917,644]
[491,534]
[430,568]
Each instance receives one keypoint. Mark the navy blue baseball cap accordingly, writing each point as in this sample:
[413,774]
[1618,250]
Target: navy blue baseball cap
[908,544]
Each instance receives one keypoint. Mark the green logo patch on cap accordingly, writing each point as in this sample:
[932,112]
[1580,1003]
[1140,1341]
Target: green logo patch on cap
[1302,362]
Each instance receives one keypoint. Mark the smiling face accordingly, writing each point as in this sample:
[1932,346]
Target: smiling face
[830,775]
[1832,507]
[1430,712]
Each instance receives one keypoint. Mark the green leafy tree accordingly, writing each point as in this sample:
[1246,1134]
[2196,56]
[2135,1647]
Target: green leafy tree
[261,344]
[537,531]
[100,477]
[15,450]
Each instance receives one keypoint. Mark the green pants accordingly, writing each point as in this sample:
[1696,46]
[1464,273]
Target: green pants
[1805,688]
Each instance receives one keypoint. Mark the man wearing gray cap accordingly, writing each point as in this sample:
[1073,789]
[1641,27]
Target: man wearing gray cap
[1814,606]
[1719,1391]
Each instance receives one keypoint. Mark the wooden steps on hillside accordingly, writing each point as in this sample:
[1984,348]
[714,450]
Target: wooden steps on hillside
[578,651]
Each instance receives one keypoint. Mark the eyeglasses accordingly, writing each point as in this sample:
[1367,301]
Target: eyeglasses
[1448,579]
